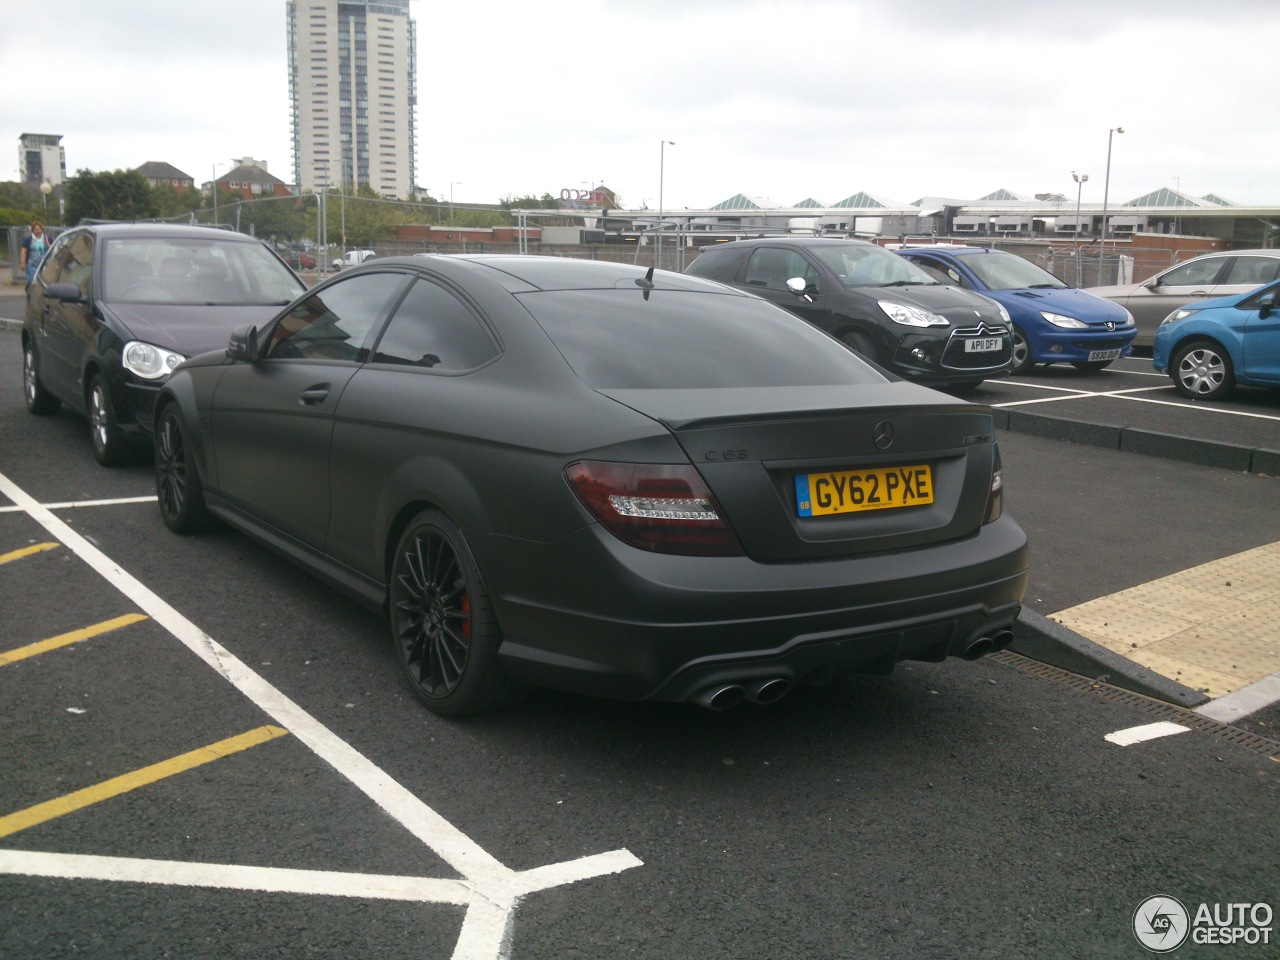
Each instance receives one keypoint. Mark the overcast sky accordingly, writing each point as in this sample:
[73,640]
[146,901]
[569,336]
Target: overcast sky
[784,100]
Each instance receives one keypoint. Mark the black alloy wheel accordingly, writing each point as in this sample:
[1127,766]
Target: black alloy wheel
[178,488]
[442,624]
[39,400]
[108,444]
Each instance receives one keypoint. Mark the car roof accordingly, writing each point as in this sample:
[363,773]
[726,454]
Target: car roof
[142,229]
[797,241]
[955,250]
[550,273]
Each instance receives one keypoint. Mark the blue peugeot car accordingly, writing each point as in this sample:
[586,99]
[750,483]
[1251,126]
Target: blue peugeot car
[1210,346]
[1052,322]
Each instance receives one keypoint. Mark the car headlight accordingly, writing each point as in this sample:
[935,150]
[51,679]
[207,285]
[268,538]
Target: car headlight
[1067,323]
[1180,314]
[910,316]
[1128,319]
[148,361]
[1004,314]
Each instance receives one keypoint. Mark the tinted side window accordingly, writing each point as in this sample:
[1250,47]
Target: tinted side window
[334,322]
[1197,271]
[771,268]
[433,328]
[71,261]
[1257,270]
[941,271]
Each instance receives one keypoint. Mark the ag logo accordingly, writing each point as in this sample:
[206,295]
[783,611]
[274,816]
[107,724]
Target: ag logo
[1161,924]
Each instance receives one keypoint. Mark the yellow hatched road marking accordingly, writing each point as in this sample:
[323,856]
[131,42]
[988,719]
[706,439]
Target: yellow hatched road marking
[26,552]
[52,809]
[66,639]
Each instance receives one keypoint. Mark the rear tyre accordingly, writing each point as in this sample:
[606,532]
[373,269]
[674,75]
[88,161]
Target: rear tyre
[178,488]
[1090,366]
[443,628]
[1022,362]
[108,444]
[39,400]
[1202,370]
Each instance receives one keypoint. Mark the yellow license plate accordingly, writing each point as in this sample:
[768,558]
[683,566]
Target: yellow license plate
[852,491]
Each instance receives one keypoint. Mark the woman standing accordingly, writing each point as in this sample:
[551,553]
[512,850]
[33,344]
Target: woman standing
[33,247]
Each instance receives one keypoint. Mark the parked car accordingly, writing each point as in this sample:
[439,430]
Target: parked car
[1212,275]
[353,258]
[585,475]
[115,307]
[299,259]
[884,307]
[1210,346]
[1052,321]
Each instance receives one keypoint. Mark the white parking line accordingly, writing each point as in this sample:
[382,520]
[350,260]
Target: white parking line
[1151,731]
[1131,394]
[76,504]
[494,891]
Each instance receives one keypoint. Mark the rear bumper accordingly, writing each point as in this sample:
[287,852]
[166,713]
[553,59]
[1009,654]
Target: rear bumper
[618,622]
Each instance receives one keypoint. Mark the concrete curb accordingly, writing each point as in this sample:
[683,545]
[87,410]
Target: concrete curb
[1042,639]
[1205,453]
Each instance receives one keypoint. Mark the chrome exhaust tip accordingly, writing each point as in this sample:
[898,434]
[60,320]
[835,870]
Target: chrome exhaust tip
[769,691]
[720,697]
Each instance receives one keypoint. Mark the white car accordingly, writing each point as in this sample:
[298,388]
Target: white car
[353,258]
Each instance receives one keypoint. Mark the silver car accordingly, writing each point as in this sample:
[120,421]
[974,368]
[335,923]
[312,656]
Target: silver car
[1212,275]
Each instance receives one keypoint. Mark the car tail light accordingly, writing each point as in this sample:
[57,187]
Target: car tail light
[995,498]
[665,508]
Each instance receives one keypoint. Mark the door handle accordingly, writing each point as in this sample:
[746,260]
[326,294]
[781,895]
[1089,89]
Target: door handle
[314,396]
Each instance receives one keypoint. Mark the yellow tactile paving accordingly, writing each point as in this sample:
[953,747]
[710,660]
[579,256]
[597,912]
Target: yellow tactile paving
[1215,628]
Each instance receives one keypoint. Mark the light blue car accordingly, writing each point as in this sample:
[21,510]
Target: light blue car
[1052,322]
[1209,347]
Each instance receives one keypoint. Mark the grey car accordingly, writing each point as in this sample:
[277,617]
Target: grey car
[1213,275]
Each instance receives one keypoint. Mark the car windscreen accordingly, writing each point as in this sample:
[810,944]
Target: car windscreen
[673,339]
[188,270]
[866,265]
[1006,271]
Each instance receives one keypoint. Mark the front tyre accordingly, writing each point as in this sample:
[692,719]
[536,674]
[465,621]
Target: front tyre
[1022,361]
[1202,370]
[108,443]
[39,400]
[443,628]
[178,488]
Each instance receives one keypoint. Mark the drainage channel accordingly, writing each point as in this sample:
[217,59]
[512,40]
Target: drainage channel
[1156,708]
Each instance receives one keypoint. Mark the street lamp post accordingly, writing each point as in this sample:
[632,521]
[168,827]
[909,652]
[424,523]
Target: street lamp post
[1081,179]
[662,157]
[1106,190]
[46,188]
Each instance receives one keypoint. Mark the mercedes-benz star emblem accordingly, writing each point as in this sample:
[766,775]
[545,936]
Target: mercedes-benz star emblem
[883,435]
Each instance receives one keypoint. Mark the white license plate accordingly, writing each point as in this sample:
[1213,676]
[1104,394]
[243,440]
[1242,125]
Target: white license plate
[983,344]
[1104,354]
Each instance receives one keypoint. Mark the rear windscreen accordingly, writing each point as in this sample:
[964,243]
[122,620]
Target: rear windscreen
[680,340]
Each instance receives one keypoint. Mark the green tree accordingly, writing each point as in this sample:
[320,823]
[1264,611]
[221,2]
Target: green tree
[110,195]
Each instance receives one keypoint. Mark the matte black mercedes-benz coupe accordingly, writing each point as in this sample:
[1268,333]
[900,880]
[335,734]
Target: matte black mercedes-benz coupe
[589,476]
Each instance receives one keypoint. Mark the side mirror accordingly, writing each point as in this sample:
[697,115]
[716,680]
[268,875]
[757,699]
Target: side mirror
[243,344]
[64,292]
[801,289]
[1266,305]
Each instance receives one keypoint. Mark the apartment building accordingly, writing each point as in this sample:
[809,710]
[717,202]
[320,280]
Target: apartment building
[353,88]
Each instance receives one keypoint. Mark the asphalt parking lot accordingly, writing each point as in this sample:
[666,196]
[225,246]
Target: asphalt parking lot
[229,766]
